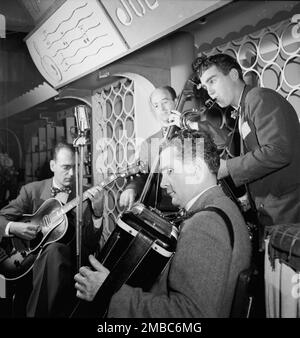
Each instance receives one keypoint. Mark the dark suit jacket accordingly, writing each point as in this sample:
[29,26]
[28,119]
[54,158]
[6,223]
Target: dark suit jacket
[32,196]
[199,282]
[271,160]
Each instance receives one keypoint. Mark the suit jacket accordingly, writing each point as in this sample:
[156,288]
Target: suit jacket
[32,196]
[270,165]
[200,280]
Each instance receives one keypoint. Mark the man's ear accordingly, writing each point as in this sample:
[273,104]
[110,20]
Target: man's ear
[234,74]
[202,170]
[52,164]
[176,101]
[199,173]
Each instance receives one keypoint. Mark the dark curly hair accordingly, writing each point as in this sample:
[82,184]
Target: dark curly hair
[196,144]
[223,62]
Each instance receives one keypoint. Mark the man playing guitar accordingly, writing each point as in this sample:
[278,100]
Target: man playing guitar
[53,263]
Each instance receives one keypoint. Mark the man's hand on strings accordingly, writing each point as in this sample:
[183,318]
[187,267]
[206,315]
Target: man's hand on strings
[26,231]
[89,281]
[96,197]
[127,198]
[174,118]
[223,171]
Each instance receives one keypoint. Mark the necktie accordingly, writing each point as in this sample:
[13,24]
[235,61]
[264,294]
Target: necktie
[236,115]
[240,123]
[55,191]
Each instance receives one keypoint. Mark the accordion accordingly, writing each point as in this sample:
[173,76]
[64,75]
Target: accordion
[136,253]
[143,241]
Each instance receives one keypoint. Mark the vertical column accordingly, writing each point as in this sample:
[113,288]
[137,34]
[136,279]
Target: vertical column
[183,53]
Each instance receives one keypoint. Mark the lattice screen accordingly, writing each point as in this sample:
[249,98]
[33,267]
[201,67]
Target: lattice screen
[113,139]
[270,58]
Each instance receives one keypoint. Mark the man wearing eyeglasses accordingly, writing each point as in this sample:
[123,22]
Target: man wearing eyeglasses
[48,282]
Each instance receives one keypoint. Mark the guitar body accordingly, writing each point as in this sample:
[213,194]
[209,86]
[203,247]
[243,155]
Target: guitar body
[53,226]
[18,264]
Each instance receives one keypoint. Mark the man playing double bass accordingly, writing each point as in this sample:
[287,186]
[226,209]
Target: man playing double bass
[50,287]
[162,102]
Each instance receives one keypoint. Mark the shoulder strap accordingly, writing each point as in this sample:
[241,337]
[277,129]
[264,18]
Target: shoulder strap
[227,221]
[222,214]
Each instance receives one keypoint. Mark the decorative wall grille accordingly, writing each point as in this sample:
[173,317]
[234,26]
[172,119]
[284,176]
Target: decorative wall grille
[114,141]
[269,58]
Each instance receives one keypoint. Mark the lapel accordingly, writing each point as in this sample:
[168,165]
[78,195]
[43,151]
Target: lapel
[243,100]
[72,195]
[247,131]
[242,117]
[46,189]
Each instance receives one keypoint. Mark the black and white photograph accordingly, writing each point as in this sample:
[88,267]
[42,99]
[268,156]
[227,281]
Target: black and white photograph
[149,165]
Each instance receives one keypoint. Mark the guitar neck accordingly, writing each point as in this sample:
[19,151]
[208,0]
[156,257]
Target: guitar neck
[72,204]
[112,177]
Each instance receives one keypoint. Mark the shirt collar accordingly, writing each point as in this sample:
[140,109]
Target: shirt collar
[55,185]
[194,199]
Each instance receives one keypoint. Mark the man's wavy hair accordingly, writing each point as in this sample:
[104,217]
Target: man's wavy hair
[61,145]
[196,144]
[223,62]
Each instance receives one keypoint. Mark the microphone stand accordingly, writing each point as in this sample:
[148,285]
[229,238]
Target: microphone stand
[79,144]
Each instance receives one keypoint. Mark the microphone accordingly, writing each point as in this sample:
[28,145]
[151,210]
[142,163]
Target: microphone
[82,119]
